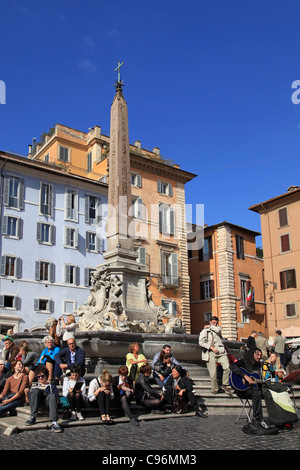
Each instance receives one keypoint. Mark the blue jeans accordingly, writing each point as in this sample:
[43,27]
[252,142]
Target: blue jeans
[10,406]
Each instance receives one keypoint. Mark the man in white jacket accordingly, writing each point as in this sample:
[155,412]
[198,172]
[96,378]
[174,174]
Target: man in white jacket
[213,352]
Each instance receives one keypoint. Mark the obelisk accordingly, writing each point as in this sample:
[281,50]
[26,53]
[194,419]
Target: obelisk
[119,185]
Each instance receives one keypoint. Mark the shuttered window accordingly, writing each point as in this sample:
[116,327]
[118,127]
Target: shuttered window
[239,247]
[283,219]
[206,252]
[285,243]
[288,279]
[207,289]
[290,310]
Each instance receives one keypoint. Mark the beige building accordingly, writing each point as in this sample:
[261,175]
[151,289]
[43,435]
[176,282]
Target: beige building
[227,280]
[280,225]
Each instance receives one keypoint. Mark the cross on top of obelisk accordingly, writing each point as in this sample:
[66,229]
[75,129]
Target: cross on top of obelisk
[119,81]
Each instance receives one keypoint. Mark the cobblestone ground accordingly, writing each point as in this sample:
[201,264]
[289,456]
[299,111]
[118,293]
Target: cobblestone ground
[218,432]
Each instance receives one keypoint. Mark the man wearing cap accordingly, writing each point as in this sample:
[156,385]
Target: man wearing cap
[213,352]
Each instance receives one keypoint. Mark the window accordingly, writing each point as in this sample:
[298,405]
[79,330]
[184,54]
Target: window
[63,154]
[136,180]
[44,305]
[10,301]
[71,212]
[13,195]
[206,252]
[170,305]
[92,210]
[71,237]
[46,199]
[44,271]
[166,219]
[288,279]
[12,227]
[89,161]
[137,208]
[239,247]
[142,255]
[92,242]
[169,268]
[283,218]
[11,266]
[247,293]
[164,188]
[88,276]
[45,233]
[290,310]
[71,274]
[285,243]
[207,289]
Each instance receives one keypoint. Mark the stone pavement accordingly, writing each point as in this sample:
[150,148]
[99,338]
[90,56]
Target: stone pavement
[188,434]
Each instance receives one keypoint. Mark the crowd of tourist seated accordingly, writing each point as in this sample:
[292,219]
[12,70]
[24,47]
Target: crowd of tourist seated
[29,378]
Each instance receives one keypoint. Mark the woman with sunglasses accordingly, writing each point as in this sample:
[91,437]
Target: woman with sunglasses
[45,395]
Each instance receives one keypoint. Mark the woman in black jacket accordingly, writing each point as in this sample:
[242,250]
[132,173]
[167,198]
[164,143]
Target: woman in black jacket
[146,395]
[181,388]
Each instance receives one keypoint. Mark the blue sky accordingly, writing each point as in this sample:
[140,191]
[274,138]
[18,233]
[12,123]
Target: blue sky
[208,82]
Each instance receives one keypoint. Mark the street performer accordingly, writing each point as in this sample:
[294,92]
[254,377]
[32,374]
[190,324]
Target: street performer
[243,368]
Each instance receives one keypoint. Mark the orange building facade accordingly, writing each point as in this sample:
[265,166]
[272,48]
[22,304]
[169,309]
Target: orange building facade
[158,206]
[227,281]
[280,225]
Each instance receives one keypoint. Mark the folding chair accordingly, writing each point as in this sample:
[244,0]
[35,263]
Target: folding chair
[247,408]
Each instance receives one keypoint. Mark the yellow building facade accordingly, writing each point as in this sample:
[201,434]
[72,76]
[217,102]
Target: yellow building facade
[158,206]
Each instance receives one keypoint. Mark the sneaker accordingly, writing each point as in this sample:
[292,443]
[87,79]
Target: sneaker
[200,414]
[56,427]
[79,416]
[227,390]
[73,416]
[30,421]
[134,422]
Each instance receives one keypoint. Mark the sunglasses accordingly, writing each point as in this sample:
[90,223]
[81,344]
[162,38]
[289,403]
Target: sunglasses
[40,376]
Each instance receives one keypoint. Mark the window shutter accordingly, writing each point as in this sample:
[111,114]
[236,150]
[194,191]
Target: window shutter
[77,274]
[76,237]
[87,241]
[142,255]
[6,191]
[202,290]
[98,211]
[21,193]
[174,263]
[36,304]
[86,209]
[52,234]
[160,218]
[38,231]
[51,306]
[67,274]
[37,270]
[172,221]
[158,186]
[174,308]
[282,280]
[51,272]
[69,204]
[86,277]
[285,243]
[3,265]
[5,224]
[170,190]
[18,266]
[17,303]
[98,243]
[139,180]
[283,217]
[293,274]
[20,228]
[210,248]
[212,289]
[140,208]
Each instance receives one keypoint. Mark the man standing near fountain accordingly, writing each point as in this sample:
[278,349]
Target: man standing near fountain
[213,352]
